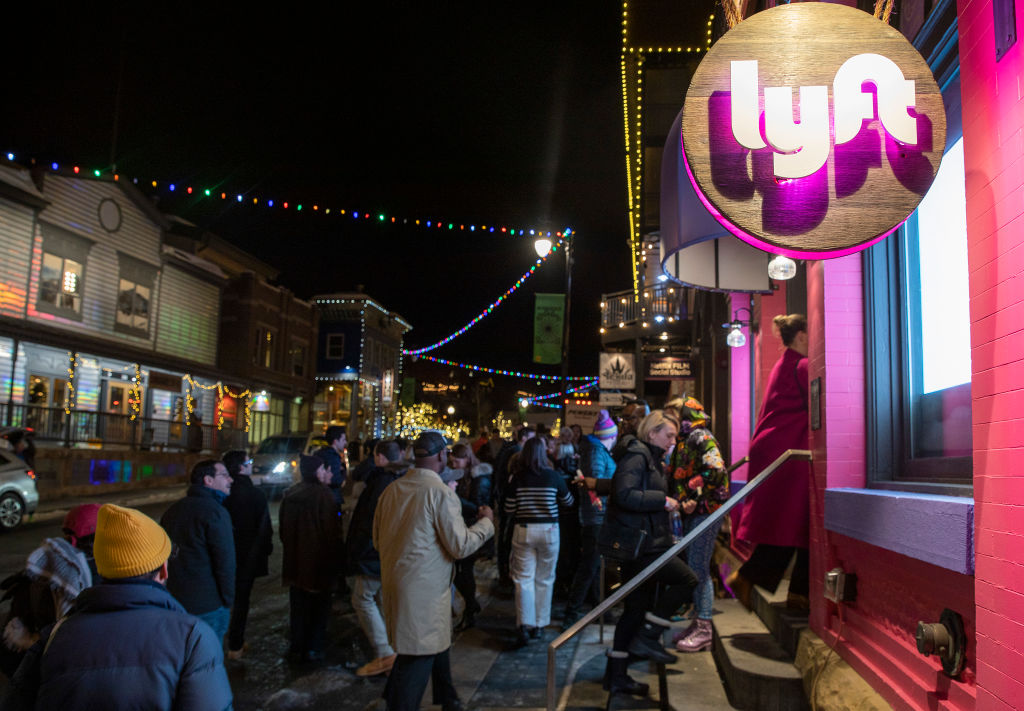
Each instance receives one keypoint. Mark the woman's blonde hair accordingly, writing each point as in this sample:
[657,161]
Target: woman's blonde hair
[654,422]
[789,326]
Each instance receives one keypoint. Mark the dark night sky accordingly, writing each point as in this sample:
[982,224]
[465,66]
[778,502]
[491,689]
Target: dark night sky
[504,113]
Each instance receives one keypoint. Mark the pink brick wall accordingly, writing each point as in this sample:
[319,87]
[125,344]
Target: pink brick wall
[894,592]
[994,156]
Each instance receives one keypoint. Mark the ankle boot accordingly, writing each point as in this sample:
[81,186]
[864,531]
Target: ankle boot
[646,643]
[616,678]
[698,640]
[684,632]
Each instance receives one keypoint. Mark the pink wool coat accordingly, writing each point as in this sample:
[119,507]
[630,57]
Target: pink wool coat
[778,512]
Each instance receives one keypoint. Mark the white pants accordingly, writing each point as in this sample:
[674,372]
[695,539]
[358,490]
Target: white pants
[365,594]
[534,555]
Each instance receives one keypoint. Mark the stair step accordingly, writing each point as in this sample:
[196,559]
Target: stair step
[785,623]
[758,672]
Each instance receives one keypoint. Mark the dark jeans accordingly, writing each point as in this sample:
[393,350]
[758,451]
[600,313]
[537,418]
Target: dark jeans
[239,612]
[308,618]
[408,680]
[504,543]
[767,564]
[677,583]
[465,581]
[586,572]
[568,551]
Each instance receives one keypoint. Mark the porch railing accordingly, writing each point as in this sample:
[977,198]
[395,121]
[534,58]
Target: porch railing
[54,427]
[640,578]
[657,304]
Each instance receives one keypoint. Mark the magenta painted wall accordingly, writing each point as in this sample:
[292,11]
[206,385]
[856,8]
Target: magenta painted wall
[993,151]
[876,633]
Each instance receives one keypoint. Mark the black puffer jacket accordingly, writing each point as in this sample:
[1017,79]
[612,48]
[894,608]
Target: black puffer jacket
[254,537]
[638,495]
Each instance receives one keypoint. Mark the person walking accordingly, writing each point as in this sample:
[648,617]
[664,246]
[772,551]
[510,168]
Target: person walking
[128,643]
[776,517]
[419,532]
[699,480]
[531,503]
[202,574]
[640,500]
[254,542]
[310,533]
[365,560]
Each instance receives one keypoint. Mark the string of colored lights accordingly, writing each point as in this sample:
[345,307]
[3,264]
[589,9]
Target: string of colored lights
[490,307]
[498,371]
[578,389]
[249,198]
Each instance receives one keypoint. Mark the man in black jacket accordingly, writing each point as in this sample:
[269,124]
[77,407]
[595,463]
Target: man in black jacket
[250,517]
[365,560]
[202,575]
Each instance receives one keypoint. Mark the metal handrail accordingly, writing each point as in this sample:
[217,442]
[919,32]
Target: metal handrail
[640,578]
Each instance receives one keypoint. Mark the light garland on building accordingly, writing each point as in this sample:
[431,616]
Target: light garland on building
[135,393]
[497,371]
[248,198]
[69,393]
[422,416]
[502,425]
[578,389]
[493,305]
[222,390]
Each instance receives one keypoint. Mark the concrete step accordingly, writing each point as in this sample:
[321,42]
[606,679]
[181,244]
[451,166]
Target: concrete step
[757,671]
[785,623]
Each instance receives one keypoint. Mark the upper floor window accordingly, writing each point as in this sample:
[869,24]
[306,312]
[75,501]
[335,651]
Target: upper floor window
[335,349]
[297,357]
[60,283]
[134,296]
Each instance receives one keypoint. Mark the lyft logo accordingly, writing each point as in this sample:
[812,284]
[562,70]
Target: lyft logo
[801,148]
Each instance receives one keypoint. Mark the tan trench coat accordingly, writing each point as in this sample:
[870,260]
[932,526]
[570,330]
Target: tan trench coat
[419,531]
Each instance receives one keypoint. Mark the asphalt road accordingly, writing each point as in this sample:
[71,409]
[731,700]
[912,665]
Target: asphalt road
[263,679]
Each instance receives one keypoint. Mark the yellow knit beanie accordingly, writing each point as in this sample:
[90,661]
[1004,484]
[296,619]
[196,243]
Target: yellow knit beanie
[128,543]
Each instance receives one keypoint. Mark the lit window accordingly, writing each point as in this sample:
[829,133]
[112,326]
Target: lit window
[60,283]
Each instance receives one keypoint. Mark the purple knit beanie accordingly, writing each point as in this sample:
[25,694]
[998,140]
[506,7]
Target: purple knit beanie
[605,427]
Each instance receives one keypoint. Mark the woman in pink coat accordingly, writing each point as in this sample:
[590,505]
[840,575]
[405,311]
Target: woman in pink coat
[776,517]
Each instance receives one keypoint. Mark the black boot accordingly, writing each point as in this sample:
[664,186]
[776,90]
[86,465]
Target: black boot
[646,643]
[616,678]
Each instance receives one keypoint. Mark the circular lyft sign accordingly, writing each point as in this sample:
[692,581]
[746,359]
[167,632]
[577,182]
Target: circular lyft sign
[812,130]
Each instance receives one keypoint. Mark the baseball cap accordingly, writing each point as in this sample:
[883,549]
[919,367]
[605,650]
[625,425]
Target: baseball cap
[428,444]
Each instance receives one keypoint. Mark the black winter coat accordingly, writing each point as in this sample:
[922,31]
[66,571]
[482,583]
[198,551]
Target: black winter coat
[362,556]
[124,646]
[638,496]
[202,574]
[254,535]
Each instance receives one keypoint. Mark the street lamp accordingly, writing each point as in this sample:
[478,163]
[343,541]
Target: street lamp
[542,245]
[451,409]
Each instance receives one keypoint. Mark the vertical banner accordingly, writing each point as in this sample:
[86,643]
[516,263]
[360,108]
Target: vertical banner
[408,391]
[548,314]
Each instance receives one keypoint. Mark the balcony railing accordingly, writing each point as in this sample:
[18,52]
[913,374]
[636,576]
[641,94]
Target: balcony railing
[53,426]
[657,304]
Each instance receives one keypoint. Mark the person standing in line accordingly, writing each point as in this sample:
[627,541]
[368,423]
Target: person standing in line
[629,420]
[595,463]
[531,503]
[202,574]
[699,480]
[310,533]
[254,542]
[419,532]
[366,561]
[776,517]
[502,472]
[127,644]
[474,491]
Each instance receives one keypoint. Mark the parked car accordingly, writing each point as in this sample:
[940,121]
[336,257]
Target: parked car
[18,495]
[275,465]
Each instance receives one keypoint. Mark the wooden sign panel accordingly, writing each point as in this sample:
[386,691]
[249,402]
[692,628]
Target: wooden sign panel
[812,130]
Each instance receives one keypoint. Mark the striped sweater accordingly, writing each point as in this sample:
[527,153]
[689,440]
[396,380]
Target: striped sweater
[533,497]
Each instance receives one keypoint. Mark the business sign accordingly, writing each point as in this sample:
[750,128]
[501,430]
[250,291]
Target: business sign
[616,371]
[667,368]
[583,415]
[812,130]
[615,399]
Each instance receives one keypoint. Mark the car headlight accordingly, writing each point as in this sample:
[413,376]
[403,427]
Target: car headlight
[279,468]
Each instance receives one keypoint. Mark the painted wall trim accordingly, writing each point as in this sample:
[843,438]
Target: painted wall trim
[931,528]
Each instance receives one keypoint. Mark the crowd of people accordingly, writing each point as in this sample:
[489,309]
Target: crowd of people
[120,587]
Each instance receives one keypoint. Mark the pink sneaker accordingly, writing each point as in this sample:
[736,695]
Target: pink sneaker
[698,640]
[684,632]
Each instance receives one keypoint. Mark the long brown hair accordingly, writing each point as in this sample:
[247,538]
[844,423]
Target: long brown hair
[789,326]
[534,456]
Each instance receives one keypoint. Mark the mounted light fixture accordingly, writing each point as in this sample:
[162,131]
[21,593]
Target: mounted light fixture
[781,268]
[736,337]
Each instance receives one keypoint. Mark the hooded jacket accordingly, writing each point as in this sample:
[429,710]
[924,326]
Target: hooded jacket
[638,496]
[124,646]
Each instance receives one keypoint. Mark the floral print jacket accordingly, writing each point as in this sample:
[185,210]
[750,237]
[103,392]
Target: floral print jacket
[697,471]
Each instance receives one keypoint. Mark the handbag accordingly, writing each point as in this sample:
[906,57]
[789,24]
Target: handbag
[619,542]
